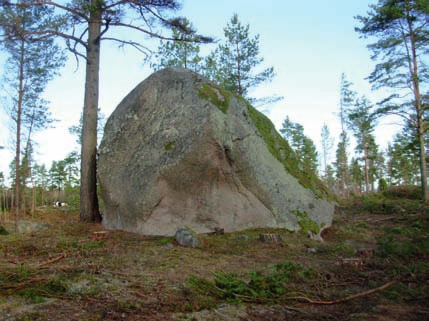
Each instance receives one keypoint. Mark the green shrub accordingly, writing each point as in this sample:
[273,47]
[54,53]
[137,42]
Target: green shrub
[3,231]
[232,288]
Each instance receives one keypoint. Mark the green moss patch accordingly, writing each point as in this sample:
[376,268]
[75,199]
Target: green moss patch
[306,223]
[216,95]
[169,146]
[280,149]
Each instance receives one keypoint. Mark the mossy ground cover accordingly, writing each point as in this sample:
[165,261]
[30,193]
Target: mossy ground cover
[371,266]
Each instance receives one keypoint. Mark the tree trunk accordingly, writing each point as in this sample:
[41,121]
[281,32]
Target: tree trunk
[366,167]
[419,108]
[89,210]
[18,135]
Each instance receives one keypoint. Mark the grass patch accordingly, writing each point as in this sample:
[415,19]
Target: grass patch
[94,245]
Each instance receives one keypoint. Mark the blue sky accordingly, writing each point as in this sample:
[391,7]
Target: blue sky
[309,44]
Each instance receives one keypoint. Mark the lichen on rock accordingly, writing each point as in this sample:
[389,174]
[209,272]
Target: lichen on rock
[181,151]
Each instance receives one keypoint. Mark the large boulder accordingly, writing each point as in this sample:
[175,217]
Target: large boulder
[181,151]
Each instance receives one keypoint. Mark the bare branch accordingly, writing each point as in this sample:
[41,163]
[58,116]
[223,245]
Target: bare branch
[152,34]
[143,49]
[105,29]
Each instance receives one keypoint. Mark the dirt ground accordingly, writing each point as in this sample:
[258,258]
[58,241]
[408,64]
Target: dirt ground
[371,266]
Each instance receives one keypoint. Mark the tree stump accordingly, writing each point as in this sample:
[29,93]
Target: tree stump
[351,263]
[98,236]
[270,238]
[366,252]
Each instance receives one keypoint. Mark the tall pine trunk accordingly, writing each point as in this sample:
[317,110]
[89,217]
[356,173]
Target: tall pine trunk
[89,210]
[18,134]
[419,107]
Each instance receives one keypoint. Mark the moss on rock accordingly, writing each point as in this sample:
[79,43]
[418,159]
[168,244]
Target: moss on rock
[306,224]
[216,95]
[280,149]
[169,146]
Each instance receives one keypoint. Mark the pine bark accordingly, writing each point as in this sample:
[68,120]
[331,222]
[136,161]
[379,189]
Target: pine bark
[89,209]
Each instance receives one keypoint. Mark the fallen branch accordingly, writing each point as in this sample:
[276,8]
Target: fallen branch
[352,297]
[138,294]
[62,256]
[23,284]
[383,219]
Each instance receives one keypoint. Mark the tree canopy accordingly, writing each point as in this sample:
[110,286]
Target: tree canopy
[401,30]
[84,25]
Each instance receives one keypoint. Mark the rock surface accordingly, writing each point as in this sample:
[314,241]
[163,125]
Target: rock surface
[180,151]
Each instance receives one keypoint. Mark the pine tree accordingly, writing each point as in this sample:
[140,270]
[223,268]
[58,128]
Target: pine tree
[309,155]
[40,174]
[234,62]
[57,178]
[183,51]
[329,178]
[347,98]
[362,123]
[287,128]
[93,19]
[357,176]
[327,143]
[402,32]
[76,130]
[32,62]
[402,163]
[3,205]
[341,165]
[303,146]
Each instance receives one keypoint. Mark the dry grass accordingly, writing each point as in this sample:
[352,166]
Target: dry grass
[68,272]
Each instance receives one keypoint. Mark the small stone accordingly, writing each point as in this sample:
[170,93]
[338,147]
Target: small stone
[186,237]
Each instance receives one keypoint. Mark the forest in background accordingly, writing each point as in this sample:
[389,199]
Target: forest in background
[399,27]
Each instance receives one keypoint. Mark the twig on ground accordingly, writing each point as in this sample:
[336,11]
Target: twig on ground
[352,297]
[23,284]
[62,256]
[138,294]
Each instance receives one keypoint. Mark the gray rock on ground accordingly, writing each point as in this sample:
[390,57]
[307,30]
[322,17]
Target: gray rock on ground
[187,237]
